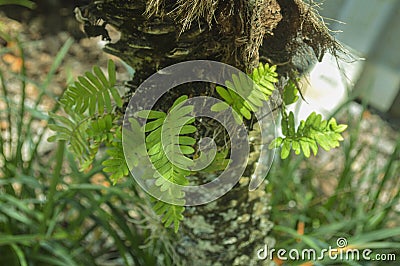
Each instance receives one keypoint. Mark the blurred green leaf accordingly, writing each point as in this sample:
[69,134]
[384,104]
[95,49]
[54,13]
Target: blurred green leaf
[25,3]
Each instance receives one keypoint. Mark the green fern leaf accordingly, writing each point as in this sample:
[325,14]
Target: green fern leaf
[93,92]
[171,214]
[265,77]
[224,94]
[164,138]
[116,163]
[101,128]
[72,130]
[111,73]
[83,135]
[181,99]
[310,133]
[254,93]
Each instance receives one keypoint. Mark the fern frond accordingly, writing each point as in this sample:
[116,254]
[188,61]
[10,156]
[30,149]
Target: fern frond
[164,140]
[73,130]
[101,128]
[171,214]
[83,135]
[309,134]
[167,145]
[265,77]
[93,92]
[116,163]
[245,96]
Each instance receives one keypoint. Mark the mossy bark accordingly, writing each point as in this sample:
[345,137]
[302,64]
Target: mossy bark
[159,33]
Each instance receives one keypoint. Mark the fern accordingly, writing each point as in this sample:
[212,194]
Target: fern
[171,214]
[101,129]
[73,130]
[246,95]
[90,122]
[137,150]
[265,77]
[93,92]
[169,156]
[85,133]
[116,163]
[309,134]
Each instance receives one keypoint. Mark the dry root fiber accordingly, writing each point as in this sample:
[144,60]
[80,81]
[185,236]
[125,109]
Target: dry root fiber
[284,32]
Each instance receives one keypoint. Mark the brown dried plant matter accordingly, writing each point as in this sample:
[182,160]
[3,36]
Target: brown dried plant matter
[284,32]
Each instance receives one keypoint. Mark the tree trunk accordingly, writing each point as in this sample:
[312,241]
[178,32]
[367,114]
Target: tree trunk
[159,33]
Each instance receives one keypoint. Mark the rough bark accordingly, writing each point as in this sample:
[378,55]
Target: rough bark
[159,33]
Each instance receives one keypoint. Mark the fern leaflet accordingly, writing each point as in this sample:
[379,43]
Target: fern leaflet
[170,214]
[265,77]
[168,146]
[246,95]
[72,130]
[93,92]
[309,134]
[116,163]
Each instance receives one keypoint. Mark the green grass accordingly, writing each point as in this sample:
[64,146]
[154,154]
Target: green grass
[50,212]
